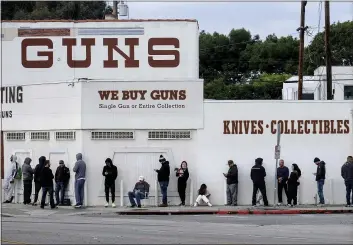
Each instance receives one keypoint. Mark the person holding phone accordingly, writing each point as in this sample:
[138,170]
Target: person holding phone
[163,179]
[183,175]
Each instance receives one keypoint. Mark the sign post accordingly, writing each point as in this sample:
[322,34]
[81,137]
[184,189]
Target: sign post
[277,157]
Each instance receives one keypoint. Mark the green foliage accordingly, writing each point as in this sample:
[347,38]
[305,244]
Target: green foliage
[341,37]
[55,10]
[266,87]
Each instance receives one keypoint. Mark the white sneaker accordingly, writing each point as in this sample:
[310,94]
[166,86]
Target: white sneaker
[195,205]
[113,205]
[209,204]
[279,204]
[106,205]
[289,205]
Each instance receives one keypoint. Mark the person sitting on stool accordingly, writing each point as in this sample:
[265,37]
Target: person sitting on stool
[139,192]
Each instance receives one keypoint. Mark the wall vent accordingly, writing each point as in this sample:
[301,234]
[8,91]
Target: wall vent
[169,135]
[69,135]
[16,136]
[40,135]
[113,135]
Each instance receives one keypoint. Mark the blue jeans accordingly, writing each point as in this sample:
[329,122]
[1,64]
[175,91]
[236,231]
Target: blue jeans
[79,191]
[138,195]
[45,191]
[164,188]
[320,190]
[60,186]
[349,189]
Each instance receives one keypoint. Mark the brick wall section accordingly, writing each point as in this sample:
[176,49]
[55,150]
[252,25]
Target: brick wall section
[44,32]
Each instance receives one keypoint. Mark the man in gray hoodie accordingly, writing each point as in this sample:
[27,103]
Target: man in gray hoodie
[80,178]
[27,175]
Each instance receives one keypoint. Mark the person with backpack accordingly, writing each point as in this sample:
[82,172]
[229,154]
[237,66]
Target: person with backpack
[37,174]
[9,184]
[27,172]
[62,176]
[110,172]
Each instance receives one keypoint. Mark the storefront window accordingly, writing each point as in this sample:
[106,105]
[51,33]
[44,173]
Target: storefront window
[348,92]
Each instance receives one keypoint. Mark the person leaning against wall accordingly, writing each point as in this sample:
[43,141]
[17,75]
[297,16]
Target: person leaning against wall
[347,175]
[183,175]
[80,179]
[232,184]
[27,175]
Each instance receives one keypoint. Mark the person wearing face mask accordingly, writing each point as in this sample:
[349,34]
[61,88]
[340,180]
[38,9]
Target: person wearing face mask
[183,175]
[293,184]
[9,185]
[111,173]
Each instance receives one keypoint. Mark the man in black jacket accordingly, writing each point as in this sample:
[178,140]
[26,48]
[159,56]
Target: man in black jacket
[347,175]
[232,183]
[320,179]
[163,179]
[62,176]
[111,173]
[37,173]
[258,174]
[46,181]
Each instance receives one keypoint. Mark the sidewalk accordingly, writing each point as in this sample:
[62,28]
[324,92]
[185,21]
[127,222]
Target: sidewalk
[25,210]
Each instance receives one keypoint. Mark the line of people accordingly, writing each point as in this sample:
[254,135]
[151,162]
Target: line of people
[43,178]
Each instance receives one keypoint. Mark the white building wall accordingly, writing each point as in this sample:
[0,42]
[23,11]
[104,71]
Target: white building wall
[123,152]
[215,148]
[52,149]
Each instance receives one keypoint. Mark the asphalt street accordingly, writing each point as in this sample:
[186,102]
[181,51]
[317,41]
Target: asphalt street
[203,229]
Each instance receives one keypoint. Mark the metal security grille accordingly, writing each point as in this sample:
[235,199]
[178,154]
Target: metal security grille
[40,136]
[114,135]
[169,135]
[19,136]
[70,135]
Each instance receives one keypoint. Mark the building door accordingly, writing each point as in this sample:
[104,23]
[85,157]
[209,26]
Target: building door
[54,158]
[133,165]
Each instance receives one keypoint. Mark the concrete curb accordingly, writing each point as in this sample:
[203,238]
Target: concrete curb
[234,212]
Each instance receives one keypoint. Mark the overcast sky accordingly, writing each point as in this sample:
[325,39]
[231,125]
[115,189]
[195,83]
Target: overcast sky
[263,18]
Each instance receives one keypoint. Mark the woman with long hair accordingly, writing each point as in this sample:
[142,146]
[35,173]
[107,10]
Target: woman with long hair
[293,183]
[183,175]
[203,195]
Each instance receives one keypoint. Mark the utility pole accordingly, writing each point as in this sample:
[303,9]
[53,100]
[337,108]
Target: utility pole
[302,29]
[328,51]
[115,10]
